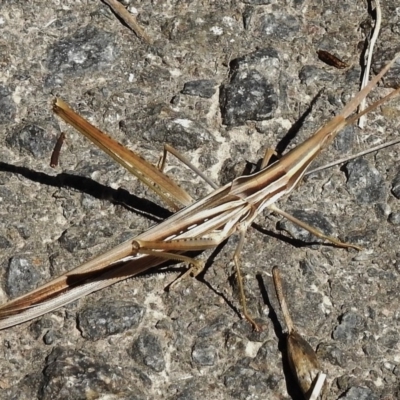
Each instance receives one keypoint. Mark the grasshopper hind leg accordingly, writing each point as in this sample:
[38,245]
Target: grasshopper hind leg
[316,232]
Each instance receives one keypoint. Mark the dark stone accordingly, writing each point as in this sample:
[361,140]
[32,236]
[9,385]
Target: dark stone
[37,328]
[370,347]
[350,326]
[365,182]
[279,26]
[25,388]
[22,276]
[7,105]
[89,49]
[262,60]
[33,139]
[396,185]
[203,88]
[268,351]
[248,13]
[73,240]
[257,2]
[394,218]
[147,350]
[162,125]
[186,133]
[204,353]
[245,329]
[104,319]
[216,325]
[359,393]
[88,373]
[51,337]
[310,73]
[362,237]
[4,243]
[230,170]
[197,388]
[345,139]
[332,353]
[307,268]
[389,339]
[380,59]
[244,382]
[248,96]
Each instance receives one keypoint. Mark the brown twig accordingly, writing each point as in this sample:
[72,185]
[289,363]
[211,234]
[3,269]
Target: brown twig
[55,155]
[129,19]
[331,60]
[282,301]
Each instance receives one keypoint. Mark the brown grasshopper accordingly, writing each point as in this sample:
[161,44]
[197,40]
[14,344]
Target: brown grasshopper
[199,226]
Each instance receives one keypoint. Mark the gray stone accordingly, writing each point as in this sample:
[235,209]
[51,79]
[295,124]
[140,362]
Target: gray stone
[7,105]
[310,74]
[345,139]
[359,393]
[396,185]
[88,49]
[102,319]
[90,375]
[380,58]
[203,88]
[248,96]
[279,26]
[350,326]
[72,239]
[331,353]
[162,125]
[204,354]
[33,139]
[22,276]
[244,382]
[365,182]
[394,218]
[147,350]
[4,243]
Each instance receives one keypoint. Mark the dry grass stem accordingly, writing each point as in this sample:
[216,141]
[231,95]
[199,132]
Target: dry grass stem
[319,384]
[353,156]
[129,19]
[369,52]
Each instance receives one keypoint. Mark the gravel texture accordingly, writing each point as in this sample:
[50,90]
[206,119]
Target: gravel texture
[222,81]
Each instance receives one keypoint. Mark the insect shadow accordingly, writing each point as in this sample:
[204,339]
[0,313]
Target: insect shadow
[97,190]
